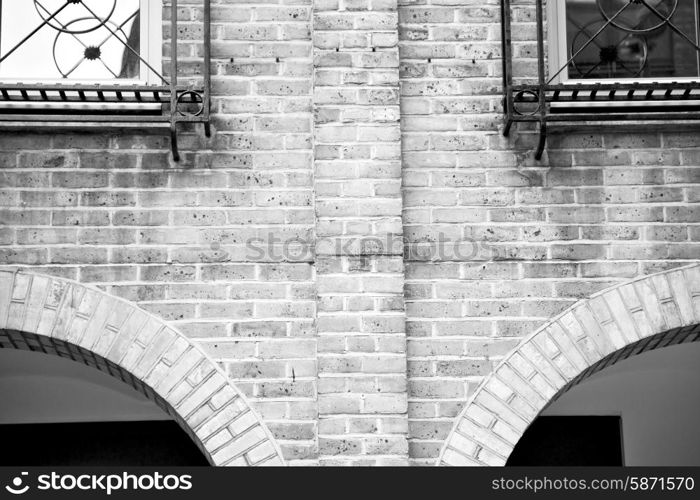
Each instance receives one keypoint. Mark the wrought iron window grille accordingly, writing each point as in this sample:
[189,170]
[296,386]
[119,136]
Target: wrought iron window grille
[542,100]
[168,103]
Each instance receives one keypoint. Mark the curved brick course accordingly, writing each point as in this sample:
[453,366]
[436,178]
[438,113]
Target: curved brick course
[65,318]
[647,313]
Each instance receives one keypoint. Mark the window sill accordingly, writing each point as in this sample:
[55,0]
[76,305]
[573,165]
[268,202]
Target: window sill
[548,104]
[98,106]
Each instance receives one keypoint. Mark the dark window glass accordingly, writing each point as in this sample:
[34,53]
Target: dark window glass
[622,39]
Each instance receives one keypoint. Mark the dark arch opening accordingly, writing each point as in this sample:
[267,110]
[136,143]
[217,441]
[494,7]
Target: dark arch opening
[104,444]
[550,442]
[638,406]
[46,432]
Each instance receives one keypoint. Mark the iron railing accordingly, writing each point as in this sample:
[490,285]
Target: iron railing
[166,103]
[542,100]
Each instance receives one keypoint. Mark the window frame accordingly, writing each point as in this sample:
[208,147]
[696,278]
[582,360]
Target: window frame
[558,50]
[151,39]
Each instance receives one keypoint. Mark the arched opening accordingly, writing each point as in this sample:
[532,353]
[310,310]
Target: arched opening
[69,320]
[642,411]
[56,412]
[645,315]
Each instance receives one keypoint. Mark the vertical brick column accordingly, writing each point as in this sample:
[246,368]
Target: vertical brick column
[361,320]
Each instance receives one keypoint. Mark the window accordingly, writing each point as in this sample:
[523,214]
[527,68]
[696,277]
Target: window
[80,41]
[609,60]
[625,40]
[81,63]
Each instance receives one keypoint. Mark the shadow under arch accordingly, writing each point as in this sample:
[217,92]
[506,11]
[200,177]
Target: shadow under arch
[650,312]
[67,319]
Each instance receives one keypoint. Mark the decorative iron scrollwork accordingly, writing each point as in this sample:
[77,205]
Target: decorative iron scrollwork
[666,10]
[82,28]
[89,27]
[526,102]
[195,98]
[629,53]
[51,18]
[90,52]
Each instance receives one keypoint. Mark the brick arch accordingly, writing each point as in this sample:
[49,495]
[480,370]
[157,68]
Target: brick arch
[647,313]
[68,319]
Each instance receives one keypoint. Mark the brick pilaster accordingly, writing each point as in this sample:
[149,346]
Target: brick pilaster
[361,318]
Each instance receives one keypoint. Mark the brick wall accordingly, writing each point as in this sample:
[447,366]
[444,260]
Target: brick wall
[109,209]
[525,239]
[343,127]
